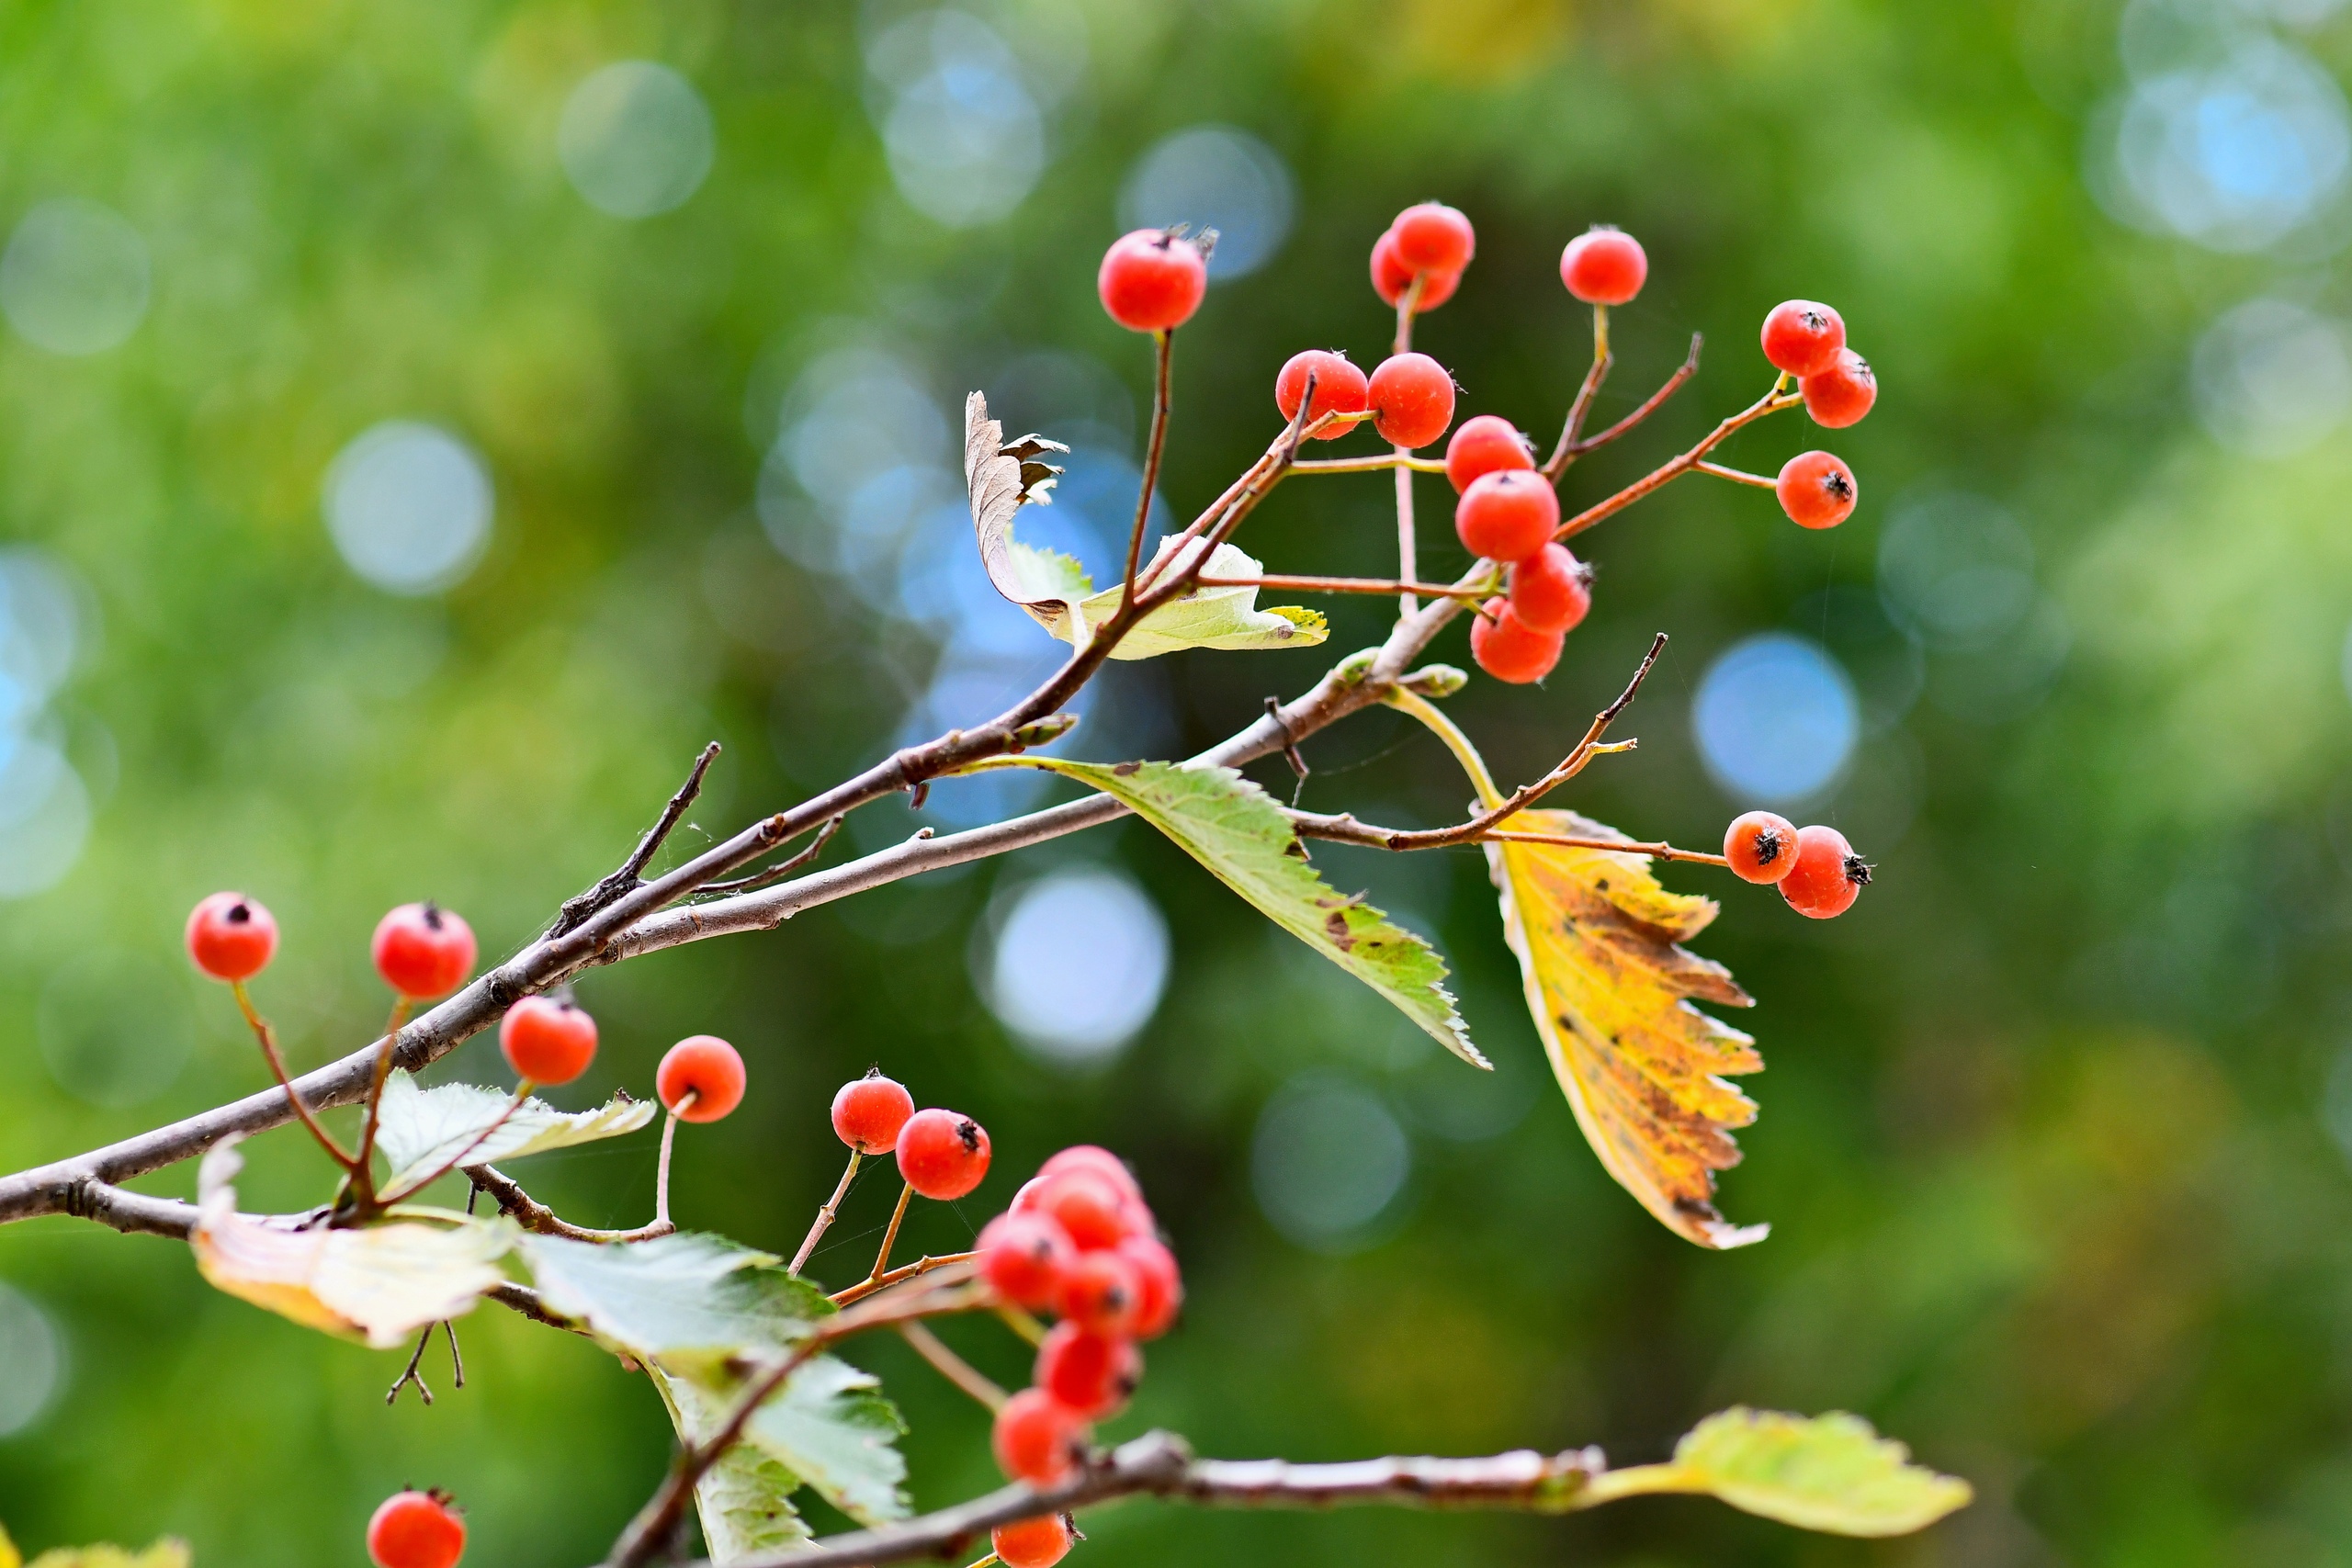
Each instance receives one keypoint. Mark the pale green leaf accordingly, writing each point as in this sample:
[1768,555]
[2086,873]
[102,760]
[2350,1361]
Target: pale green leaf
[832,1428]
[164,1554]
[745,1499]
[1235,829]
[1206,617]
[421,1130]
[1823,1473]
[695,1301]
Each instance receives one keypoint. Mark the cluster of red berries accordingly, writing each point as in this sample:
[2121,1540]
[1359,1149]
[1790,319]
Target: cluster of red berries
[1807,340]
[1816,870]
[417,1529]
[942,1153]
[421,950]
[1078,1242]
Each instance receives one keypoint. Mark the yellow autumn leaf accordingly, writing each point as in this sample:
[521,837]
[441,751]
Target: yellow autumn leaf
[164,1554]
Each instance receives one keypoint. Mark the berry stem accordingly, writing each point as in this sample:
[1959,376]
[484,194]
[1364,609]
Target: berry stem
[1407,554]
[825,1215]
[661,1168]
[1656,849]
[986,1562]
[890,1237]
[1580,406]
[1770,402]
[1650,405]
[362,1164]
[952,1367]
[1403,458]
[1019,1320]
[922,1265]
[1349,585]
[1737,476]
[268,1038]
[1163,344]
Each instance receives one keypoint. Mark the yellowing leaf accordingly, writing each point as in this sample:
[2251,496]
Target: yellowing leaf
[421,1130]
[1235,829]
[1823,1473]
[1609,985]
[381,1284]
[164,1554]
[1224,618]
[9,1556]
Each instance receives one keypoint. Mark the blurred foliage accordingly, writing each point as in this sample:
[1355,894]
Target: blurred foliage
[2051,1198]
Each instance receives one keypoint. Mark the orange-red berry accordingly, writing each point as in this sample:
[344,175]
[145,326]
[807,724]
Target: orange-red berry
[1761,846]
[1161,1282]
[416,1529]
[1023,1255]
[1842,394]
[1035,1544]
[1604,266]
[1093,1375]
[1411,397]
[1802,336]
[1093,1157]
[1827,876]
[1101,1290]
[707,1068]
[1038,1439]
[1152,280]
[230,937]
[1484,444]
[547,1040]
[868,1113]
[1340,387]
[1816,490]
[1551,591]
[1092,1211]
[943,1154]
[1391,276]
[1510,649]
[423,949]
[1433,237]
[1507,516]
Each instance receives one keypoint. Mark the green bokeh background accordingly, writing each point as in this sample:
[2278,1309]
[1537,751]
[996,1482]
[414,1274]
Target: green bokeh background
[2042,1144]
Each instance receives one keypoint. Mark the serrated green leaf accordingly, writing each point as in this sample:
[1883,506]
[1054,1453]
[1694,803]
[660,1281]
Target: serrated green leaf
[1235,829]
[745,1500]
[692,1300]
[1823,1472]
[421,1130]
[832,1428]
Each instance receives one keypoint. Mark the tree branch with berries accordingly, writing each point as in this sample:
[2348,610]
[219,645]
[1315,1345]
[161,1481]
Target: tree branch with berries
[740,1343]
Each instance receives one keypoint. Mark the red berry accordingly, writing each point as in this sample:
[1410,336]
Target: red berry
[1433,237]
[707,1068]
[1094,1374]
[1761,846]
[230,937]
[1508,650]
[1827,876]
[1089,1156]
[416,1529]
[943,1154]
[1152,280]
[1604,266]
[1092,1211]
[1483,445]
[1162,1284]
[548,1041]
[1840,395]
[1025,1197]
[1038,1439]
[1023,1255]
[1802,337]
[1816,490]
[1034,1543]
[869,1112]
[423,949]
[1101,1290]
[1391,276]
[1412,397]
[1551,591]
[1508,515]
[1339,386]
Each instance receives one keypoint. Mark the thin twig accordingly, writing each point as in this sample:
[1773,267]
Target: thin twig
[883,1281]
[1737,476]
[1580,406]
[579,907]
[522,1093]
[1164,345]
[825,1215]
[662,1168]
[1649,405]
[951,1366]
[782,869]
[268,1038]
[890,1237]
[533,1215]
[1295,584]
[1376,463]
[410,1375]
[1770,402]
[1657,849]
[363,1163]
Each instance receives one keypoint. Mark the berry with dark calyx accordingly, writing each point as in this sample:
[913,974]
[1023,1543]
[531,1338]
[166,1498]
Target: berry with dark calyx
[1340,387]
[1761,846]
[1093,1375]
[1484,444]
[943,1154]
[1093,1157]
[416,1529]
[1152,280]
[1551,591]
[423,949]
[1604,266]
[547,1040]
[1507,516]
[230,937]
[869,1112]
[1101,1290]
[1391,278]
[1411,397]
[1816,490]
[1842,394]
[1162,1282]
[1827,876]
[1038,1439]
[707,1068]
[1802,337]
[1035,1544]
[1023,1255]
[1433,237]
[1510,649]
[1092,1212]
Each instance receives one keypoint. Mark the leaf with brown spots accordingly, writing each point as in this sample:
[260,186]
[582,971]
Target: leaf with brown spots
[1610,986]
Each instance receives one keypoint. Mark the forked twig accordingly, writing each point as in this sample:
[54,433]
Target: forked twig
[579,907]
